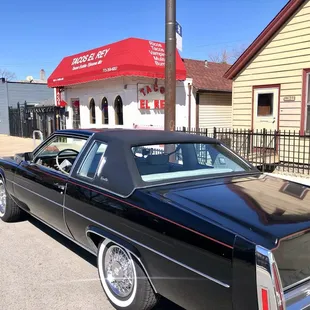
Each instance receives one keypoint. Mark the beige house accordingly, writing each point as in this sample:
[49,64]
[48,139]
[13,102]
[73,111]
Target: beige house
[271,83]
[212,93]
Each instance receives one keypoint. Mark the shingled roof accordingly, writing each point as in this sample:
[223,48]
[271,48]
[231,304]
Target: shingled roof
[208,77]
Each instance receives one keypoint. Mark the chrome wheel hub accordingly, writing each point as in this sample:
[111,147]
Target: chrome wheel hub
[119,271]
[2,199]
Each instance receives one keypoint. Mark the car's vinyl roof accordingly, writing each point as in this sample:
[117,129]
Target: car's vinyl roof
[120,159]
[142,136]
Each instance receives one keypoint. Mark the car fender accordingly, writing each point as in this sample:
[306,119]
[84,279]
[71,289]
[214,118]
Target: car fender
[92,232]
[2,175]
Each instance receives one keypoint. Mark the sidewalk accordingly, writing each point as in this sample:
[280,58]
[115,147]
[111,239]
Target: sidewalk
[302,180]
[10,145]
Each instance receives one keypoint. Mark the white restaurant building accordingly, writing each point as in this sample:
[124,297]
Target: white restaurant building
[123,84]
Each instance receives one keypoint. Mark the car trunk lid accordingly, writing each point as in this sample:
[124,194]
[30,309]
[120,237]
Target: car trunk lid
[260,208]
[271,212]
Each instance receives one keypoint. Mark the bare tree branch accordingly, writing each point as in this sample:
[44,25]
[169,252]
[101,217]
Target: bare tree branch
[222,57]
[8,75]
[237,52]
[227,57]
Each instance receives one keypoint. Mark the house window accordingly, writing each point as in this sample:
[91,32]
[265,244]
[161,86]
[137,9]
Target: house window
[105,112]
[308,105]
[265,104]
[92,111]
[118,106]
[295,190]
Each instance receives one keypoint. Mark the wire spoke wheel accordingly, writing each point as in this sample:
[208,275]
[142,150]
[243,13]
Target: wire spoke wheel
[123,279]
[2,199]
[119,271]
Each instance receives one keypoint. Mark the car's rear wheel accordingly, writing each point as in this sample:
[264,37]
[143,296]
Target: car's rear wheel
[123,280]
[9,211]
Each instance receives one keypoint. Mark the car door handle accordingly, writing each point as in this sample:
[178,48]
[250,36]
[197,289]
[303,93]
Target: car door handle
[60,186]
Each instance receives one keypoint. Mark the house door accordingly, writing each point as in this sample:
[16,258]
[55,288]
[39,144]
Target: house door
[266,108]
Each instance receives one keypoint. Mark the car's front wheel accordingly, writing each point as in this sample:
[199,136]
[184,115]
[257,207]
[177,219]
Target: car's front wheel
[123,280]
[9,211]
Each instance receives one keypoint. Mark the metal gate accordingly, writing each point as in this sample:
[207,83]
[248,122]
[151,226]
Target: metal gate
[25,119]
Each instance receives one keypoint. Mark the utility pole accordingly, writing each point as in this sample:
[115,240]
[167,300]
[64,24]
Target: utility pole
[170,65]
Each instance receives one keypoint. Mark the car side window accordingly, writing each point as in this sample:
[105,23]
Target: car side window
[94,161]
[60,153]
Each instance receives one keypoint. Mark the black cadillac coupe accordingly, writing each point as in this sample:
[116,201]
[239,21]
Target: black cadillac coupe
[168,214]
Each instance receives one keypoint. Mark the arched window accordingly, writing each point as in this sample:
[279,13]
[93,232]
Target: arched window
[105,112]
[118,106]
[92,111]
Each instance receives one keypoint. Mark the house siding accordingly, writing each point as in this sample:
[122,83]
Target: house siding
[32,93]
[13,92]
[110,89]
[215,110]
[281,61]
[4,113]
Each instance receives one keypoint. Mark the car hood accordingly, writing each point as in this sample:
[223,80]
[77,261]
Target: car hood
[261,208]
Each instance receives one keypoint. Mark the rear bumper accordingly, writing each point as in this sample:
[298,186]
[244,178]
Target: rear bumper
[298,298]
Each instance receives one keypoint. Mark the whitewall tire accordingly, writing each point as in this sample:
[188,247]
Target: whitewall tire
[122,279]
[9,211]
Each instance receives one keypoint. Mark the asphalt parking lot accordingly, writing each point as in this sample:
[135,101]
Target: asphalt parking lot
[40,269]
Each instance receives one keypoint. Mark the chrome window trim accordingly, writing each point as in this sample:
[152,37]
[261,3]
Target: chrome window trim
[77,174]
[239,157]
[80,154]
[82,163]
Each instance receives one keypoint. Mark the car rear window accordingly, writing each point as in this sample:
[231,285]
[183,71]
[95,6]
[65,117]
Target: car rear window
[174,161]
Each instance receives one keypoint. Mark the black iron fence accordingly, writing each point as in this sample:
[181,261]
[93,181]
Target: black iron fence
[287,151]
[24,119]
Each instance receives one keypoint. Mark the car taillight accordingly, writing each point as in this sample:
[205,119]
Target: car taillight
[269,286]
[277,286]
[265,299]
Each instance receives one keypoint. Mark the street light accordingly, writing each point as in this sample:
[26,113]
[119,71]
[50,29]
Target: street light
[170,65]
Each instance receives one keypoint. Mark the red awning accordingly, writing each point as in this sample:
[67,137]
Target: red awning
[130,57]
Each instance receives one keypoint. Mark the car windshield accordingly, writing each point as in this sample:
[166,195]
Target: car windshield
[176,161]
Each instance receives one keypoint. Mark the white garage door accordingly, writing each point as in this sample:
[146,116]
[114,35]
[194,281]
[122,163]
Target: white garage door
[215,110]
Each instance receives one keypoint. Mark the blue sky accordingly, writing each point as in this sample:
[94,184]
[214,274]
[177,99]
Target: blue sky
[38,34]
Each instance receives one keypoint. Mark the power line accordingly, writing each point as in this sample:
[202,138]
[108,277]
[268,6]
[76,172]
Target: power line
[220,43]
